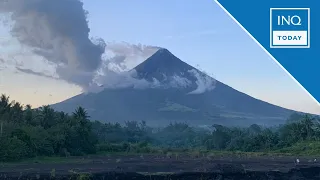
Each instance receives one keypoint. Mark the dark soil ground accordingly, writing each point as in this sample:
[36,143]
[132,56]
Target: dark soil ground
[165,167]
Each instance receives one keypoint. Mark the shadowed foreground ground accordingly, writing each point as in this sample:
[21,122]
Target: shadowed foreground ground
[149,167]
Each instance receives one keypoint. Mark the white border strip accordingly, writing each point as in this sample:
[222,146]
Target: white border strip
[226,11]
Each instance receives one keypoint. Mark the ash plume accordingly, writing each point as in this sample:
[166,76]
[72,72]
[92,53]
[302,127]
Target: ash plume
[58,31]
[55,37]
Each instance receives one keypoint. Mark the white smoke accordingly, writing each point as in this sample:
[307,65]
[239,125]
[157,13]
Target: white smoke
[117,80]
[122,56]
[204,82]
[116,68]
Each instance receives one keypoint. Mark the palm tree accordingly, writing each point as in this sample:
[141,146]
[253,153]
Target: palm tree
[47,116]
[16,112]
[80,113]
[28,116]
[4,109]
[4,100]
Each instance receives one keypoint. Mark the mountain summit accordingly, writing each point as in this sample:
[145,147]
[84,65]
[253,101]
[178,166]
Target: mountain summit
[170,71]
[162,63]
[189,96]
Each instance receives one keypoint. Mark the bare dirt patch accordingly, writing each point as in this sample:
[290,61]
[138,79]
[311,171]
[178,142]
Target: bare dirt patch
[140,166]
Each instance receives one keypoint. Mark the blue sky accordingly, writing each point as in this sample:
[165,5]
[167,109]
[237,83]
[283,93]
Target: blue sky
[198,33]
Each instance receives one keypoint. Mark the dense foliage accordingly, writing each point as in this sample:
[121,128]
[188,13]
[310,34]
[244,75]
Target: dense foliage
[27,132]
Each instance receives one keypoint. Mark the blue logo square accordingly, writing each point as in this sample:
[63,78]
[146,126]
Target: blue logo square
[290,27]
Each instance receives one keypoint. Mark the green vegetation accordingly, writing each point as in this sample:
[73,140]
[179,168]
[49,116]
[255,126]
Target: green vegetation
[170,106]
[28,133]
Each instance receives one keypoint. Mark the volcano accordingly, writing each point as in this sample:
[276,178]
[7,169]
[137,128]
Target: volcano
[185,94]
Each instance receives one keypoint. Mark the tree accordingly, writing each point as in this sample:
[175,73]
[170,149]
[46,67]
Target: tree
[4,110]
[81,131]
[16,112]
[307,123]
[28,115]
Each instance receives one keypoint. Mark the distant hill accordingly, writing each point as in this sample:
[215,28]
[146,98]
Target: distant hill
[185,95]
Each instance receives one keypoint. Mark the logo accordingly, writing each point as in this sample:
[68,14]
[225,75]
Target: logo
[289,27]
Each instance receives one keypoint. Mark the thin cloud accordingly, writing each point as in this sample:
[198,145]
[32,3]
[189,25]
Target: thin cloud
[2,65]
[29,71]
[191,34]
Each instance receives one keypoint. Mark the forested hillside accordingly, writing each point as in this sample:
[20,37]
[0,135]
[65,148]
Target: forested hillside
[27,133]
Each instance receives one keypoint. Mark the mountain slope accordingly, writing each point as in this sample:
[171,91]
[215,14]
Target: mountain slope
[185,95]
